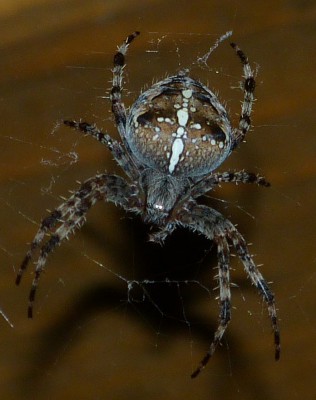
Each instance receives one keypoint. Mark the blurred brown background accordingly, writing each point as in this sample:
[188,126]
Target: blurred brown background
[92,337]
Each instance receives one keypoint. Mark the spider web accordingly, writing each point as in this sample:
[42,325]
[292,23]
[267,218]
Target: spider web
[142,293]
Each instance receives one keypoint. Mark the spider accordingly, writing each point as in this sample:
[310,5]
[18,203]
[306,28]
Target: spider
[173,138]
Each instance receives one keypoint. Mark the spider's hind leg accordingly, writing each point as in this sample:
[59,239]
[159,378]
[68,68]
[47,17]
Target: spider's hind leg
[121,156]
[118,108]
[249,85]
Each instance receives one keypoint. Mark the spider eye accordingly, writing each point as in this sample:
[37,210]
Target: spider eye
[179,127]
[158,207]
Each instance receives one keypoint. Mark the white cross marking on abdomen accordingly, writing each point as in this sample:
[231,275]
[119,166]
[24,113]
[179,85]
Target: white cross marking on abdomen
[178,143]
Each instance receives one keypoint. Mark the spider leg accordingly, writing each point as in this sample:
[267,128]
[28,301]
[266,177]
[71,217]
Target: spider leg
[249,85]
[213,225]
[118,108]
[225,300]
[71,215]
[120,155]
[210,181]
[240,177]
[258,280]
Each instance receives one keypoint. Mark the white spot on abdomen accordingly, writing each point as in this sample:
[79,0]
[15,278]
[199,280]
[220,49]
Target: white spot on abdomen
[196,126]
[187,93]
[182,116]
[177,149]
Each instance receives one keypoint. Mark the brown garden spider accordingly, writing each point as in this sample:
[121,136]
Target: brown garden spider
[172,139]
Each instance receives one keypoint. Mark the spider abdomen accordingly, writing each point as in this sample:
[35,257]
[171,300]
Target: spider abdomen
[179,127]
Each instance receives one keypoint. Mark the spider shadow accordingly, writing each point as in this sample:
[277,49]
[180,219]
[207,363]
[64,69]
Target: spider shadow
[185,257]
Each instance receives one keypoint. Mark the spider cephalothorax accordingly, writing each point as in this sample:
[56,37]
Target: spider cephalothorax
[173,138]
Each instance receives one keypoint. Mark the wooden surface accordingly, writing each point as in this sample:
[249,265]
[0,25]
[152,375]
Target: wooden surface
[92,336]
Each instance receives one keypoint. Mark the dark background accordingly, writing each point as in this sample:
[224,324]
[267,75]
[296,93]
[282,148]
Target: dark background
[92,336]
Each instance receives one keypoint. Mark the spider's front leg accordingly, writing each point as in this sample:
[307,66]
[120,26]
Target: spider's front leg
[224,299]
[258,280]
[215,227]
[71,215]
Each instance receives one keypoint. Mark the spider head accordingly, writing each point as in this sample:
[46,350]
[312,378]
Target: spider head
[180,128]
[162,193]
